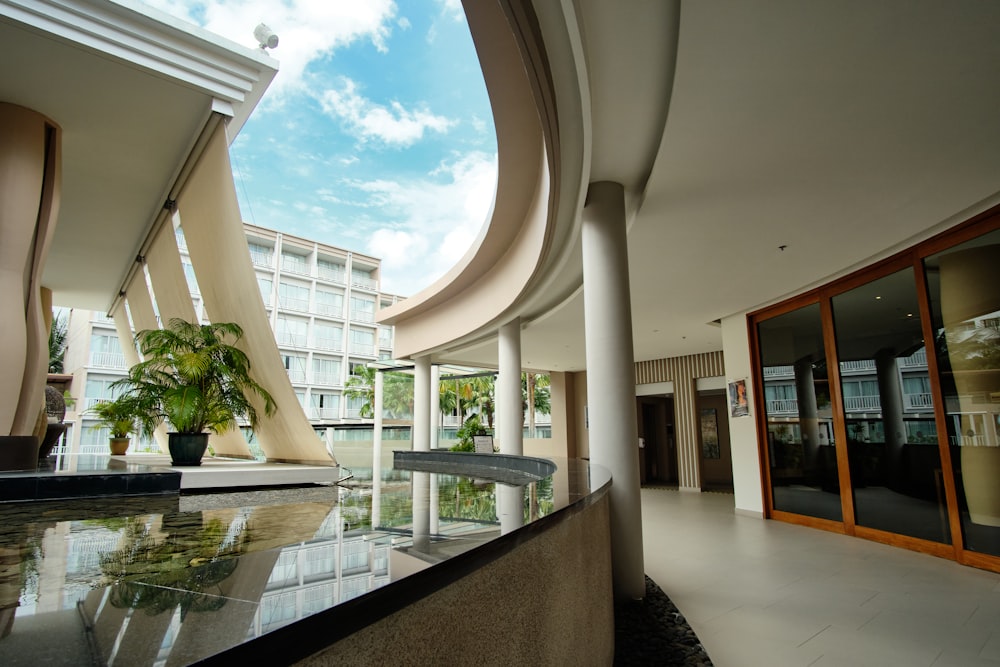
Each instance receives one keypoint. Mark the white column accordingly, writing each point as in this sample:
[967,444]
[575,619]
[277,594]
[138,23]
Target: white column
[421,511]
[611,377]
[435,402]
[421,404]
[435,422]
[508,390]
[510,507]
[377,410]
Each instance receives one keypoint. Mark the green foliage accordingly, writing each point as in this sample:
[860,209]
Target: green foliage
[470,428]
[193,378]
[118,416]
[397,392]
[57,343]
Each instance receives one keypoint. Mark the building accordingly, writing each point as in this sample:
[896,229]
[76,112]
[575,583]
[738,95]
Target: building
[740,222]
[316,296]
[690,197]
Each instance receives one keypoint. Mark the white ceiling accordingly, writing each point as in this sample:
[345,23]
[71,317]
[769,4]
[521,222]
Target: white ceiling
[122,84]
[841,130]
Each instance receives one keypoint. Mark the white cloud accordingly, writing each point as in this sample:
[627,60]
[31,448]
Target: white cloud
[367,120]
[307,30]
[437,220]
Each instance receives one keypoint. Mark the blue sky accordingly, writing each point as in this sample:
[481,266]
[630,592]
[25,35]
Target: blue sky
[376,135]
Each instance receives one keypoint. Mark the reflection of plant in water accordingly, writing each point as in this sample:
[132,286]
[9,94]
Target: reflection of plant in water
[191,557]
[464,498]
[180,588]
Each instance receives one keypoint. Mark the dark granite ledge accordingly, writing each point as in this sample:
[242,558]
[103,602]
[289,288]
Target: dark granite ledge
[505,468]
[86,476]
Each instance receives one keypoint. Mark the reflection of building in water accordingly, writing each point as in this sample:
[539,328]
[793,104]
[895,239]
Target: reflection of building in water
[318,574]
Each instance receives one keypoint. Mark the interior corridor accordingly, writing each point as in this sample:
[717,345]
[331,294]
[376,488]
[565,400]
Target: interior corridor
[771,593]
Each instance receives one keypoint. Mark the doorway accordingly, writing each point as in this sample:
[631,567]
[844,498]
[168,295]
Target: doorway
[715,452]
[658,455]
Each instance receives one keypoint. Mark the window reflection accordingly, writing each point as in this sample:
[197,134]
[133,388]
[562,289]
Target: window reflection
[803,460]
[965,306]
[894,459]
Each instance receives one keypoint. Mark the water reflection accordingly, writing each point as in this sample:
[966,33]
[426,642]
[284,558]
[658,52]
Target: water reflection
[140,581]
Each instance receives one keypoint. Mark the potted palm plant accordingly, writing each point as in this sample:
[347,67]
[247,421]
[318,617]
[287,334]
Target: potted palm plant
[119,417]
[197,381]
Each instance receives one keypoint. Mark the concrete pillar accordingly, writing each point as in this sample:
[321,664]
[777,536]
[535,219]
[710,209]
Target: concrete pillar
[510,507]
[805,392]
[421,404]
[377,409]
[30,180]
[435,402]
[611,377]
[421,512]
[890,392]
[508,391]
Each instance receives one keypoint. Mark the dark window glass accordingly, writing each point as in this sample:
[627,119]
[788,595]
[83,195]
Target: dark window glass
[803,461]
[895,470]
[964,287]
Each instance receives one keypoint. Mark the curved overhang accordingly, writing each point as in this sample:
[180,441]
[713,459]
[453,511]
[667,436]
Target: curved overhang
[803,141]
[132,89]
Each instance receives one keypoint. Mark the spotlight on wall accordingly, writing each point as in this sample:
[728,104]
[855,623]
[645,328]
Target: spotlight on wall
[265,37]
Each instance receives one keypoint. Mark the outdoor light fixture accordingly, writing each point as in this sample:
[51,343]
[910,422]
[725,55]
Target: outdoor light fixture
[265,37]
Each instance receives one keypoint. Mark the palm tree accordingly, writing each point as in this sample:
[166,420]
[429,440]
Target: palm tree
[192,377]
[57,343]
[361,385]
[535,397]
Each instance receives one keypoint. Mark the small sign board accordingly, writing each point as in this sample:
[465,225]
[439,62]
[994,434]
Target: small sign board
[483,443]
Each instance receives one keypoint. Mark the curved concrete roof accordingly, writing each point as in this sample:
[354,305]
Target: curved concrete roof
[132,88]
[765,147]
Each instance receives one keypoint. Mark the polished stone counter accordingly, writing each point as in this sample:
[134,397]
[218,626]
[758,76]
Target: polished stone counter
[257,576]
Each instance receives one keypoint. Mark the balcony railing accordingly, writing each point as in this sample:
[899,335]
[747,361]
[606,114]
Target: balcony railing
[265,259]
[782,405]
[326,379]
[362,316]
[331,309]
[108,360]
[291,303]
[864,365]
[779,371]
[915,360]
[862,403]
[353,413]
[294,265]
[385,342]
[294,340]
[296,375]
[918,401]
[332,344]
[324,413]
[332,275]
[362,348]
[364,282]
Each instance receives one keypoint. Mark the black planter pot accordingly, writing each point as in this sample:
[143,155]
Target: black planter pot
[186,449]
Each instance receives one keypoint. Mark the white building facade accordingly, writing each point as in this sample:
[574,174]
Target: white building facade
[321,302]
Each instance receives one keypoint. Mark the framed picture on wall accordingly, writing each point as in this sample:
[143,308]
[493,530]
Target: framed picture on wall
[738,404]
[709,434]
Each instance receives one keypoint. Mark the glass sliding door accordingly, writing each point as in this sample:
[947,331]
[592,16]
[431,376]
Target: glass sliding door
[964,287]
[800,443]
[895,462]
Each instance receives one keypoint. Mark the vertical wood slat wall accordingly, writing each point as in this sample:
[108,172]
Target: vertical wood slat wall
[684,373]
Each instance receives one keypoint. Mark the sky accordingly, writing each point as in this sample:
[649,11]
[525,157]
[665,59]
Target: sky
[376,135]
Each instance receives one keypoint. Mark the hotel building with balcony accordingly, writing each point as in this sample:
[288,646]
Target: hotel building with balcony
[320,300]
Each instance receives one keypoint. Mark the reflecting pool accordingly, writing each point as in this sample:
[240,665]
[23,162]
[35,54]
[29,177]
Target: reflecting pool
[170,580]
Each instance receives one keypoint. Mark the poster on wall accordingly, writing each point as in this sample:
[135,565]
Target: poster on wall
[709,434]
[738,404]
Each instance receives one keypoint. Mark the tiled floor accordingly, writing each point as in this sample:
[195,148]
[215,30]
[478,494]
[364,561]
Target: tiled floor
[769,593]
